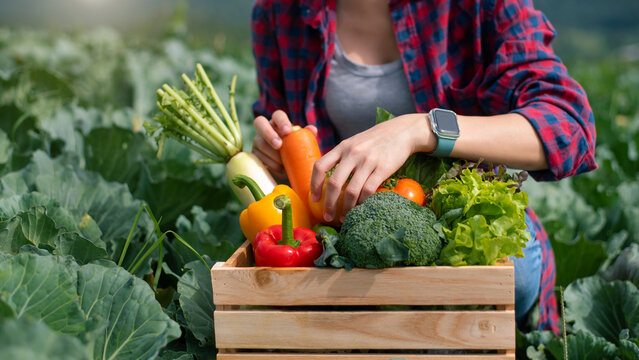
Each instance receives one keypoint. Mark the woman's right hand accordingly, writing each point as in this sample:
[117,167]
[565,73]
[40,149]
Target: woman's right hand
[268,141]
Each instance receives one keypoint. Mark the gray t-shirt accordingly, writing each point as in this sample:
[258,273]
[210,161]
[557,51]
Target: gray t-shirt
[353,91]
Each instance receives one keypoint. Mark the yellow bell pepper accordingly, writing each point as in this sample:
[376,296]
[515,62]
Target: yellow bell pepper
[261,214]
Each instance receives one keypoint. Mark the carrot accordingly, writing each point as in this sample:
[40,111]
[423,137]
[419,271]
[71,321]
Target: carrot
[299,152]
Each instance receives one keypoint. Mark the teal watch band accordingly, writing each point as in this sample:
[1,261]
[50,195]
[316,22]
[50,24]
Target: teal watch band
[444,125]
[444,146]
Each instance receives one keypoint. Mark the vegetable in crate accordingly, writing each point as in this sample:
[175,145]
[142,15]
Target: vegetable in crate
[262,213]
[317,207]
[299,153]
[283,245]
[407,188]
[483,218]
[197,118]
[389,230]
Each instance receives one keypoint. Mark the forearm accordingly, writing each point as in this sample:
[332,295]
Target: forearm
[506,139]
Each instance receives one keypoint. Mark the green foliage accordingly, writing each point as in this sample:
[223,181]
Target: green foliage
[43,287]
[389,230]
[582,346]
[603,308]
[196,301]
[29,339]
[132,324]
[330,257]
[100,304]
[629,350]
[578,259]
[175,355]
[75,167]
[215,233]
[626,267]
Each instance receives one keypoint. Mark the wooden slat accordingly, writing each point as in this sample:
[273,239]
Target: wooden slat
[242,257]
[508,352]
[444,285]
[223,308]
[365,329]
[303,356]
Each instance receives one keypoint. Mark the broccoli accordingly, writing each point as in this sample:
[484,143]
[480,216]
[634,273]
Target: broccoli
[389,217]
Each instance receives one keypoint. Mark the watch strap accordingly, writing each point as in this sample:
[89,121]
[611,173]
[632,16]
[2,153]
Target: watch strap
[444,146]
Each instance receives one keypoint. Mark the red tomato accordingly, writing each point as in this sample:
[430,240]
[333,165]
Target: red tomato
[409,189]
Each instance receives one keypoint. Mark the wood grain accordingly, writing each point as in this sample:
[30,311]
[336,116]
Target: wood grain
[467,285]
[365,329]
[302,356]
[242,257]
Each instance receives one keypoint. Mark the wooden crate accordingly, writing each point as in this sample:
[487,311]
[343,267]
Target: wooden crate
[331,314]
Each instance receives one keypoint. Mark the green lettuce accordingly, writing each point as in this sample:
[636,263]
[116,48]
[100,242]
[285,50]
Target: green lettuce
[482,220]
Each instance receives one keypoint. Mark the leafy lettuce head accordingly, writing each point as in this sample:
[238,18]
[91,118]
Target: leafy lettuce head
[483,220]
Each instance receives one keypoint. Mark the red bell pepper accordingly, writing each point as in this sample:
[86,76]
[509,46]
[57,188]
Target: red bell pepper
[281,245]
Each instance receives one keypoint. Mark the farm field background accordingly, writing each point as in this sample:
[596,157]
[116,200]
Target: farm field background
[76,167]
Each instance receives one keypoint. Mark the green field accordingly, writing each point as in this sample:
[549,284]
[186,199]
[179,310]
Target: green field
[76,167]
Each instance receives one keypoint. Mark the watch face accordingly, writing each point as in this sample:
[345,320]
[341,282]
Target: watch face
[446,122]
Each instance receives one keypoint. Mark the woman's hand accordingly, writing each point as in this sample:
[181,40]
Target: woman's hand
[370,157]
[268,141]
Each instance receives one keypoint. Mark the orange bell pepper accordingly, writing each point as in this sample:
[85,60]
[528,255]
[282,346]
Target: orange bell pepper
[262,213]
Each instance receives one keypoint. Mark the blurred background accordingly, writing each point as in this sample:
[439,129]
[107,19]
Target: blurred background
[588,29]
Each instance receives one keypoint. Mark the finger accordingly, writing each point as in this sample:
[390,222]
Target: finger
[268,162]
[266,131]
[313,129]
[354,189]
[260,144]
[334,186]
[372,184]
[281,123]
[320,168]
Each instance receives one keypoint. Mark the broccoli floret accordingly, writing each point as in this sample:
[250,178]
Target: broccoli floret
[381,216]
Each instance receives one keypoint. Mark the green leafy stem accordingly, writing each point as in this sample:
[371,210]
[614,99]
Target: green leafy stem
[145,252]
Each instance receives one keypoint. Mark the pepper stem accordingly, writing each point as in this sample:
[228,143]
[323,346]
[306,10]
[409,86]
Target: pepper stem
[242,180]
[283,203]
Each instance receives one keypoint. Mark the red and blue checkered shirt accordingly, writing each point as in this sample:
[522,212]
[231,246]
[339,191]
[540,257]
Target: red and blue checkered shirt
[470,56]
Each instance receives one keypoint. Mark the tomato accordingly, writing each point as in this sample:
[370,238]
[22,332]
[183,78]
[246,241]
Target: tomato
[317,208]
[409,189]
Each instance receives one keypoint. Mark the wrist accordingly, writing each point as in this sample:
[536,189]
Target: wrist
[423,138]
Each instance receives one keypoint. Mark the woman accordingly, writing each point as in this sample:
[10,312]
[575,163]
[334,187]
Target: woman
[328,64]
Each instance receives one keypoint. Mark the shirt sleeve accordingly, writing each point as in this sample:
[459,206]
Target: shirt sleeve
[267,60]
[526,77]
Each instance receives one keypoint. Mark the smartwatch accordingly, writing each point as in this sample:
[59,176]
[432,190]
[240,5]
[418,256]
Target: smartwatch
[444,125]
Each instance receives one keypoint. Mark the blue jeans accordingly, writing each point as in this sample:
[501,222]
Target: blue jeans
[527,274]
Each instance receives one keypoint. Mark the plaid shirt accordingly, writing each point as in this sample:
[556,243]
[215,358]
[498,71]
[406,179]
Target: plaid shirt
[473,57]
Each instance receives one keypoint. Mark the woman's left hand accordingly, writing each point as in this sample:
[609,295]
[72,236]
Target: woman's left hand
[371,157]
